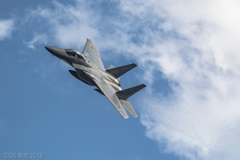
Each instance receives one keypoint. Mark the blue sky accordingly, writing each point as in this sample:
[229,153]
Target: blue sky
[43,109]
[187,53]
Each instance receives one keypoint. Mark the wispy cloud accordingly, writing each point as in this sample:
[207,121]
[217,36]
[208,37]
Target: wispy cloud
[77,23]
[6,28]
[193,43]
[37,39]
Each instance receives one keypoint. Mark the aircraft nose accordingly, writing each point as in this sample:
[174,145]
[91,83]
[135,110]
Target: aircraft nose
[50,49]
[58,52]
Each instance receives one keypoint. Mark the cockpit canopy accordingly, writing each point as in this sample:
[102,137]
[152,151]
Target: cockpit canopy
[75,53]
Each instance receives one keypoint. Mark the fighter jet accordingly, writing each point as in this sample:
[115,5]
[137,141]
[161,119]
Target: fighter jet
[90,70]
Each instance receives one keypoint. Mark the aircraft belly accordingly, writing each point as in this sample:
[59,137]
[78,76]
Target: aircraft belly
[116,87]
[87,82]
[84,77]
[74,73]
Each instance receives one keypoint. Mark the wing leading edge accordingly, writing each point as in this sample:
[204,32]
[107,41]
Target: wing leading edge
[91,52]
[110,93]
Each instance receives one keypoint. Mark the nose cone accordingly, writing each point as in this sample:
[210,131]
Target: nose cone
[50,49]
[58,52]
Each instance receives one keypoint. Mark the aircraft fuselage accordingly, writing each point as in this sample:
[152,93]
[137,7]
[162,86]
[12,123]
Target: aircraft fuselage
[85,71]
[90,70]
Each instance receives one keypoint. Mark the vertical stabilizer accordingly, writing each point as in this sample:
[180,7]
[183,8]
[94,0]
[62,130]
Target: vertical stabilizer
[111,67]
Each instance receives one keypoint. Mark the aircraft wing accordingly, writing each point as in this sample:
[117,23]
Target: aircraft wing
[110,93]
[91,52]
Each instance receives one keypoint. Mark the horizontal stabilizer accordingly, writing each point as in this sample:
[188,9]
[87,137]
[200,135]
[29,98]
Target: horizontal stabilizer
[125,94]
[127,105]
[111,67]
[117,72]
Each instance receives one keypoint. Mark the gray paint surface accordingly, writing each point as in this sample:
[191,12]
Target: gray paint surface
[90,70]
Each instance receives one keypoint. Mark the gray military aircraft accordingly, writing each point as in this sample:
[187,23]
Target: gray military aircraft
[90,70]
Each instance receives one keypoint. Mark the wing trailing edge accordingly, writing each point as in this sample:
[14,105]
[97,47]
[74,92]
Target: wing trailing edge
[119,71]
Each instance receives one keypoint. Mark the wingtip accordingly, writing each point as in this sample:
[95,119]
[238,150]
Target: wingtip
[134,64]
[125,117]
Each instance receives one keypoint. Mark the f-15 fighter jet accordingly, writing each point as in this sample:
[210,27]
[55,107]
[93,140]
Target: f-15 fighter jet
[90,70]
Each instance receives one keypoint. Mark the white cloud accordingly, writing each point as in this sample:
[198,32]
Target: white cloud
[201,55]
[194,44]
[70,26]
[6,28]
